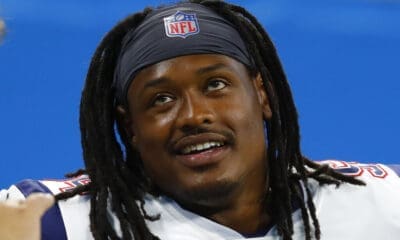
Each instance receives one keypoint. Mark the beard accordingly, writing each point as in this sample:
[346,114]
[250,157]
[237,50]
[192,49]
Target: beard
[207,199]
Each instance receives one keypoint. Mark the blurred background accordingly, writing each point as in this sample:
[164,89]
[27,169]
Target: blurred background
[341,58]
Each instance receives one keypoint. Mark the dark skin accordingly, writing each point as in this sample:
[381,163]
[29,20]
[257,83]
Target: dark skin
[197,122]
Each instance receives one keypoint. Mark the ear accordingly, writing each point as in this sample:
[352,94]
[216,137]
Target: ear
[125,121]
[262,97]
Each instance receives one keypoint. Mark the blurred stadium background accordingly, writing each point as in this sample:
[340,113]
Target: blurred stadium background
[341,57]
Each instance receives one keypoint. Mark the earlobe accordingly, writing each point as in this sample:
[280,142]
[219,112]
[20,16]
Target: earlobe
[262,97]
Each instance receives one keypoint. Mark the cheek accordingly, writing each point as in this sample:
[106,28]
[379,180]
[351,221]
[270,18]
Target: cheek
[245,111]
[152,129]
[246,118]
[152,137]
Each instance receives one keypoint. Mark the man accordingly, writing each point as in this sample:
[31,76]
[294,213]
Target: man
[210,142]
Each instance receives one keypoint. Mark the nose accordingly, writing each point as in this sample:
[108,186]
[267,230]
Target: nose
[194,112]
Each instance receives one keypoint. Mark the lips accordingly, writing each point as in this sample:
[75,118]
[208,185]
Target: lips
[195,148]
[201,149]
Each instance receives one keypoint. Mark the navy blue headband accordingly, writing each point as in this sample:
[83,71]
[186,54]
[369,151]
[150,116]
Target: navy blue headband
[181,29]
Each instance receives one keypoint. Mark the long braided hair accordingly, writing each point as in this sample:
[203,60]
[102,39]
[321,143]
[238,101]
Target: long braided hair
[118,180]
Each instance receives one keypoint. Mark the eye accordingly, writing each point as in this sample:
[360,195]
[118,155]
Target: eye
[216,84]
[162,99]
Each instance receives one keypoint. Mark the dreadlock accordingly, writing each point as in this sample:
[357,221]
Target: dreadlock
[118,181]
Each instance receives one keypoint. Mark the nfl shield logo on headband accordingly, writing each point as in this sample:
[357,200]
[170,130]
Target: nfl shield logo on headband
[181,25]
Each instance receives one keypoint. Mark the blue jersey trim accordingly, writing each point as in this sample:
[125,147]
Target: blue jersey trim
[52,221]
[395,168]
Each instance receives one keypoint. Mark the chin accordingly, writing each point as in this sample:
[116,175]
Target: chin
[210,196]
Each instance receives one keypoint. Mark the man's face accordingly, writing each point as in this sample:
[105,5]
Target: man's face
[197,122]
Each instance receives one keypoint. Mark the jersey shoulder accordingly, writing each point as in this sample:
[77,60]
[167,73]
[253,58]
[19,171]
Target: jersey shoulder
[26,187]
[344,211]
[364,170]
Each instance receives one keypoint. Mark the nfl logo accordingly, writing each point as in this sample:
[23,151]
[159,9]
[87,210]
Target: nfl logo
[181,25]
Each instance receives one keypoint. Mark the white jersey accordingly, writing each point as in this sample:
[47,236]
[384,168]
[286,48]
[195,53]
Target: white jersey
[346,213]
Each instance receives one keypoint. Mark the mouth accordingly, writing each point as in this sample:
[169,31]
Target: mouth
[201,147]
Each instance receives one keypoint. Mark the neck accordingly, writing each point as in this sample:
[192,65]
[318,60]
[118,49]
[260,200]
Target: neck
[244,210]
[246,213]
